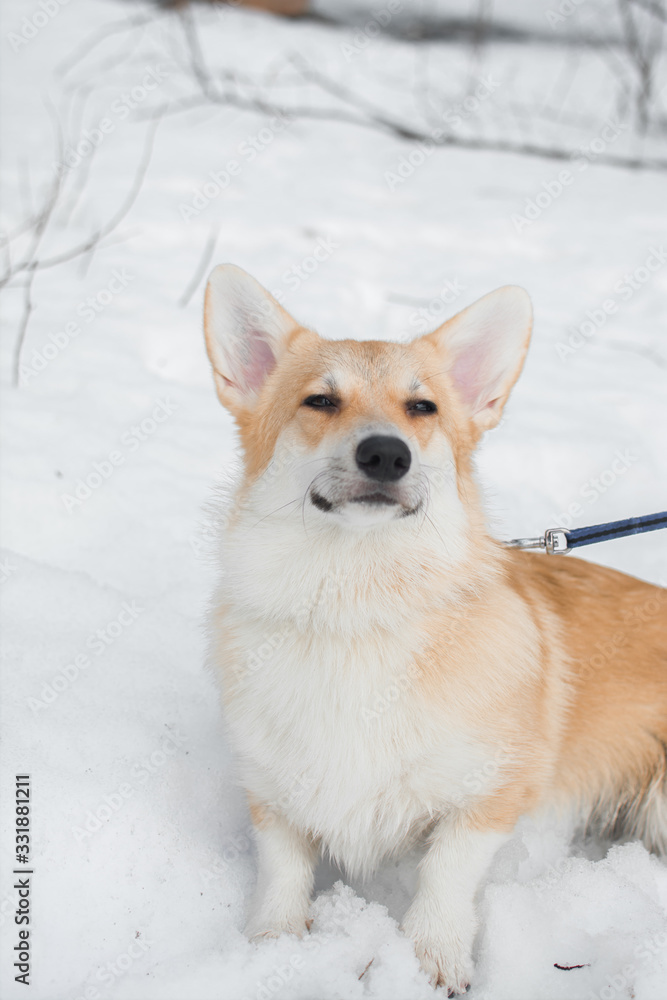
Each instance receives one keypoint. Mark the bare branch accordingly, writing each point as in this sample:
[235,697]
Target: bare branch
[118,217]
[30,264]
[363,114]
[328,114]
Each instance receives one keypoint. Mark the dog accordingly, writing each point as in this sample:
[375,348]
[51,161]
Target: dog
[378,651]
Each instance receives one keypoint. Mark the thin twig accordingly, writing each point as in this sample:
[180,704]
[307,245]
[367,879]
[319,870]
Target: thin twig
[23,328]
[645,352]
[82,175]
[202,266]
[366,969]
[22,227]
[197,63]
[340,91]
[38,233]
[6,249]
[96,37]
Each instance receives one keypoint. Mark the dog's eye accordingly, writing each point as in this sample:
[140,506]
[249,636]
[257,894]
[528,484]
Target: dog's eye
[422,406]
[318,402]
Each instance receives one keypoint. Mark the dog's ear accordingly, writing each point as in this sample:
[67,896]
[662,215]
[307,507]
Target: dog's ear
[483,349]
[246,331]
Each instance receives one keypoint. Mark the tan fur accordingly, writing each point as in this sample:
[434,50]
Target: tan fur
[259,814]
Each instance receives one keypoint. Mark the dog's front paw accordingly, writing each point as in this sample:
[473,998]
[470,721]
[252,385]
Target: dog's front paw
[442,968]
[443,957]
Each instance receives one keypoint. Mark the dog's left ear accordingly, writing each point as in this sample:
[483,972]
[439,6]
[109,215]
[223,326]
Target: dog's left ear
[484,348]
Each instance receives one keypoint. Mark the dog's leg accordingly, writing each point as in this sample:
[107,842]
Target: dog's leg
[285,877]
[441,920]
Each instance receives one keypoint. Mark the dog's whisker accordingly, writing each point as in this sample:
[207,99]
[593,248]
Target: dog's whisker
[425,501]
[433,525]
[444,371]
[272,512]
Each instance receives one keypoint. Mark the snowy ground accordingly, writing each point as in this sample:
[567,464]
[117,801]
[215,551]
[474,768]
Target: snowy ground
[142,853]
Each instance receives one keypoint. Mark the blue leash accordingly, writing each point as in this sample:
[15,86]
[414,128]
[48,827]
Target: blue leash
[557,540]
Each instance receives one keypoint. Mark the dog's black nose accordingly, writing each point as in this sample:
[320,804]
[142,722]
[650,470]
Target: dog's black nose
[383,458]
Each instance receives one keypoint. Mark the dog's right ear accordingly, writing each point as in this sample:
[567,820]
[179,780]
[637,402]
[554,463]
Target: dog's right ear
[246,331]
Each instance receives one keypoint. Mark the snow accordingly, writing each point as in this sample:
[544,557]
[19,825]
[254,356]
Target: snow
[105,700]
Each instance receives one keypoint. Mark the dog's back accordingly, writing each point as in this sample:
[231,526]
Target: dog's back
[614,747]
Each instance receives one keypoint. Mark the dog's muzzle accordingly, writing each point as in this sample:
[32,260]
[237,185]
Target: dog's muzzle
[382,460]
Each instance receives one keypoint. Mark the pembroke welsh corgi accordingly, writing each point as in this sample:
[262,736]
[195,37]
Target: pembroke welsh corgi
[377,648]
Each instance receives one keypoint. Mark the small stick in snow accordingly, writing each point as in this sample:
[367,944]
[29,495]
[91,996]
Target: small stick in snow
[366,969]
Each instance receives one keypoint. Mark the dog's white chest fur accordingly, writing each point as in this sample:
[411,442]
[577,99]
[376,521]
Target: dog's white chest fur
[334,733]
[360,689]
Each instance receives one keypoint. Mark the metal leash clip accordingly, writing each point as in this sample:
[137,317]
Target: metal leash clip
[557,540]
[554,541]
